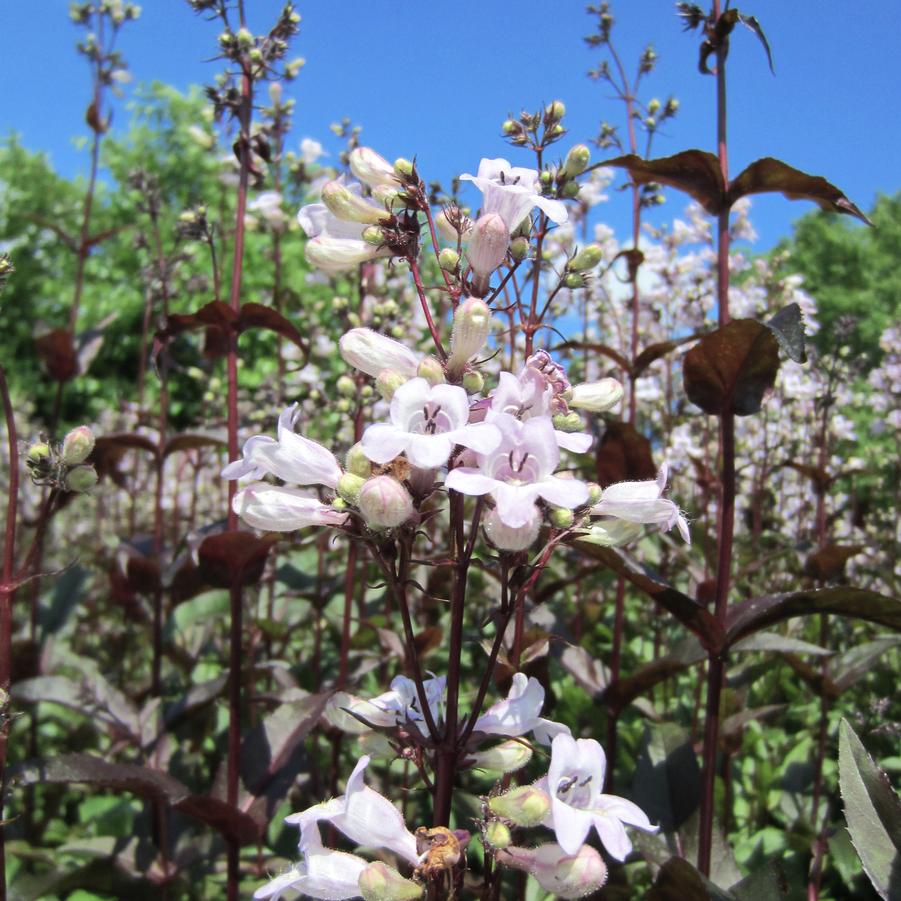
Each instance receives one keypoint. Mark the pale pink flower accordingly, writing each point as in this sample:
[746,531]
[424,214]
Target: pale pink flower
[564,875]
[519,713]
[278,509]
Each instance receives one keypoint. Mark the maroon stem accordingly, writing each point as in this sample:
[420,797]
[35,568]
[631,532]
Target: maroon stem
[245,113]
[426,310]
[726,512]
[350,575]
[6,599]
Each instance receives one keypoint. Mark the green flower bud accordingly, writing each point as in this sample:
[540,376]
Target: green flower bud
[557,131]
[498,835]
[574,280]
[403,167]
[346,386]
[38,454]
[587,258]
[77,446]
[561,518]
[545,178]
[431,370]
[594,493]
[654,106]
[448,259]
[245,38]
[356,462]
[555,111]
[473,381]
[349,486]
[81,479]
[353,320]
[576,161]
[507,757]
[472,324]
[510,127]
[519,248]
[342,405]
[523,806]
[351,207]
[339,504]
[397,331]
[379,882]
[568,422]
[571,190]
[387,382]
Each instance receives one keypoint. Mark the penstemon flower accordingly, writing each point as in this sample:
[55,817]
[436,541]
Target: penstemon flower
[519,712]
[564,875]
[519,471]
[512,192]
[574,781]
[426,422]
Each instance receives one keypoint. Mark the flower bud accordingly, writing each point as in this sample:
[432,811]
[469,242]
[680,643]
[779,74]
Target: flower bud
[519,248]
[379,882]
[473,381]
[472,324]
[373,234]
[571,190]
[594,493]
[350,207]
[507,757]
[349,486]
[546,178]
[38,454]
[339,255]
[403,168]
[81,478]
[498,835]
[564,875]
[385,503]
[587,258]
[275,92]
[612,532]
[357,462]
[560,517]
[448,259]
[487,247]
[77,446]
[372,353]
[597,397]
[568,422]
[510,127]
[525,805]
[346,386]
[554,112]
[653,106]
[431,370]
[387,382]
[372,168]
[574,280]
[576,161]
[388,197]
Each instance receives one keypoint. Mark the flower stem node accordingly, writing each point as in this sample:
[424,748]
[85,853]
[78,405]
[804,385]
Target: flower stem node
[596,397]
[357,462]
[81,479]
[77,446]
[472,324]
[385,503]
[473,381]
[525,805]
[379,882]
[587,258]
[349,486]
[431,370]
[576,161]
[498,835]
[448,259]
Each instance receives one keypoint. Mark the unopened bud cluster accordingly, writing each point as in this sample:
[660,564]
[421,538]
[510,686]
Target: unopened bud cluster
[63,466]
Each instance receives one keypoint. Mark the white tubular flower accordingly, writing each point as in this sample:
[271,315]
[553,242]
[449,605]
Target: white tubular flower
[574,781]
[363,815]
[349,206]
[292,458]
[487,246]
[612,532]
[519,713]
[426,422]
[336,245]
[373,353]
[507,757]
[596,397]
[472,323]
[372,168]
[642,502]
[278,509]
[512,192]
[323,874]
[519,471]
[563,875]
[395,707]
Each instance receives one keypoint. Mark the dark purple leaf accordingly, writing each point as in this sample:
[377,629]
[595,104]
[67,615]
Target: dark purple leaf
[623,455]
[233,558]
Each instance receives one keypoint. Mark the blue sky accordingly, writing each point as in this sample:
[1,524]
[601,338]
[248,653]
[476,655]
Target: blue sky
[436,80]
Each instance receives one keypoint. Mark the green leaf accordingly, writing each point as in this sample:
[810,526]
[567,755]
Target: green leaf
[772,176]
[730,370]
[873,814]
[856,662]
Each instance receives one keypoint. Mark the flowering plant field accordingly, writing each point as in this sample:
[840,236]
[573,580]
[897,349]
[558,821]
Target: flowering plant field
[369,537]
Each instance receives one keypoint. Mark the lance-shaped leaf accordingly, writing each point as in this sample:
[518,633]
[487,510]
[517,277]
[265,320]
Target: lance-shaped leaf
[829,562]
[696,172]
[856,662]
[873,813]
[730,370]
[688,611]
[601,349]
[234,558]
[678,880]
[654,352]
[770,176]
[188,442]
[858,603]
[109,450]
[148,783]
[57,352]
[788,327]
[255,315]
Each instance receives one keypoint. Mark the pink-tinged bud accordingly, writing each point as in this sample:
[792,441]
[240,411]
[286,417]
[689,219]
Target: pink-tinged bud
[511,538]
[596,397]
[507,757]
[487,248]
[472,324]
[77,446]
[565,876]
[81,478]
[372,168]
[525,805]
[379,882]
[431,370]
[350,207]
[385,503]
[371,353]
